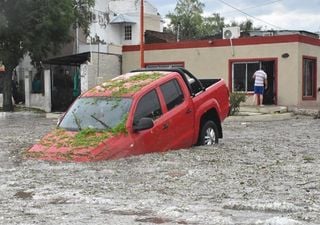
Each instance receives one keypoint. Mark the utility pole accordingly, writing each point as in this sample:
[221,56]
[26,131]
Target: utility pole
[76,51]
[178,32]
[141,34]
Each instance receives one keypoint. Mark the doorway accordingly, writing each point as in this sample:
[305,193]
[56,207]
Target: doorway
[269,96]
[65,87]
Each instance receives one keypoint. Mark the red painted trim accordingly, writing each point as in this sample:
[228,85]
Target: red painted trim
[165,63]
[309,40]
[130,48]
[275,88]
[224,42]
[315,78]
[275,72]
[142,65]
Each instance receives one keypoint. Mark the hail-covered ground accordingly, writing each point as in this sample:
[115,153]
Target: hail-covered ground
[261,173]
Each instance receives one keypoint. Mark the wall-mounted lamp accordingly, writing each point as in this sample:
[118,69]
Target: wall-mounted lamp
[210,42]
[285,55]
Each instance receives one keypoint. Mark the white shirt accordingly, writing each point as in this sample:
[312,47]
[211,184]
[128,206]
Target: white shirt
[259,76]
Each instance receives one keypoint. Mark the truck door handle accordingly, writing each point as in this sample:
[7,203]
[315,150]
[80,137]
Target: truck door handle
[189,111]
[165,126]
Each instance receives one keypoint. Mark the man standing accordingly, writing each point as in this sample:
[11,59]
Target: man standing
[260,81]
[2,68]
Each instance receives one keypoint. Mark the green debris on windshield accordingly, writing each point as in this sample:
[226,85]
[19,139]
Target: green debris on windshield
[89,137]
[121,127]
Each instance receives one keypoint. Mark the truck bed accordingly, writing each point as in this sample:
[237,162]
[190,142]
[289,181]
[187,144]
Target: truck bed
[208,82]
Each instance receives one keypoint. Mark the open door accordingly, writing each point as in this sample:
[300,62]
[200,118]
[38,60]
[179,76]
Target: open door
[269,97]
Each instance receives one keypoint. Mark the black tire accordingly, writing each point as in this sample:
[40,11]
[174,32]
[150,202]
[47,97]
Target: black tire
[209,134]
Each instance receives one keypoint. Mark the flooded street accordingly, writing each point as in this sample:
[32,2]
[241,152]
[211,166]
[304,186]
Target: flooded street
[261,173]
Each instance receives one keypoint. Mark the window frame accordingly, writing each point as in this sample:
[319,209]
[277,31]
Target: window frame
[179,91]
[247,76]
[313,78]
[140,99]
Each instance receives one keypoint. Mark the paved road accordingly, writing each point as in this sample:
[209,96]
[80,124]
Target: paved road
[262,173]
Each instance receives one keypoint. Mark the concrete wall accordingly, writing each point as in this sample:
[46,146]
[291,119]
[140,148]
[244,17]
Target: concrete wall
[152,22]
[103,48]
[37,101]
[212,61]
[102,67]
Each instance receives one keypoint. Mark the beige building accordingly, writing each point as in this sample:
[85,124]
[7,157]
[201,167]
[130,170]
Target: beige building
[290,61]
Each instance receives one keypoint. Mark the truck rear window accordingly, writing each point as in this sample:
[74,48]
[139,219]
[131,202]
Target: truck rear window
[172,94]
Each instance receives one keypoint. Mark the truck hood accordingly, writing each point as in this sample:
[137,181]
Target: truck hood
[83,146]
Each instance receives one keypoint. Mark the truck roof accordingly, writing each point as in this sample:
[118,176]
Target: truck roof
[125,85]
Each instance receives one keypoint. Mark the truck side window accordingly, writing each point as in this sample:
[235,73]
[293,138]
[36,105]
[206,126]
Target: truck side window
[148,106]
[172,94]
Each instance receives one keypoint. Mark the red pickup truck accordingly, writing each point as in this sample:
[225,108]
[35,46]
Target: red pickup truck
[139,112]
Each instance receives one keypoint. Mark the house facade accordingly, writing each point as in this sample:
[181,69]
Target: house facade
[87,61]
[290,60]
[117,23]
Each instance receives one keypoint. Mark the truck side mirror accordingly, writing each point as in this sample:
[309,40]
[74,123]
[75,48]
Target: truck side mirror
[143,124]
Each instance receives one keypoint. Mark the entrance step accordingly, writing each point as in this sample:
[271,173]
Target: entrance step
[268,109]
[262,113]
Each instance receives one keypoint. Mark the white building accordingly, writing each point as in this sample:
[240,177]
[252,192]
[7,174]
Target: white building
[90,60]
[117,23]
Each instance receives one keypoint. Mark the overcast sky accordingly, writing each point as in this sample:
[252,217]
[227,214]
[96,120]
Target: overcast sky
[270,14]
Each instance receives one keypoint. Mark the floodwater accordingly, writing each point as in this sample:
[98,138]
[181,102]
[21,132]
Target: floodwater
[262,173]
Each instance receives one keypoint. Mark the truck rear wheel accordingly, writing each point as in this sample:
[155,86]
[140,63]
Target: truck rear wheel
[209,134]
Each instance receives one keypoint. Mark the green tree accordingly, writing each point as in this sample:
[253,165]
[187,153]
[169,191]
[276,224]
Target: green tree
[212,25]
[36,28]
[186,19]
[246,25]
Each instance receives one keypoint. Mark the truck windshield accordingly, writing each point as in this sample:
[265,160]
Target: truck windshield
[101,113]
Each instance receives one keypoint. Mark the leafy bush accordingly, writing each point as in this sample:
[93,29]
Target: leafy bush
[235,99]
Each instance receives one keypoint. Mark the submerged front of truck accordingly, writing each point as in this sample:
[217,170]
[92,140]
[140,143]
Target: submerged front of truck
[87,131]
[95,126]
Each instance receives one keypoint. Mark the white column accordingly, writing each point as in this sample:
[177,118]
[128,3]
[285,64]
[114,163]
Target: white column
[27,87]
[84,77]
[47,91]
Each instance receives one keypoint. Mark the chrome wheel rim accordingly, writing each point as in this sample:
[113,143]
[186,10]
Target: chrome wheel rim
[210,137]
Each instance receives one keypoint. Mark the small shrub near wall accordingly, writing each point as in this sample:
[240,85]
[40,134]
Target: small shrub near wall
[235,100]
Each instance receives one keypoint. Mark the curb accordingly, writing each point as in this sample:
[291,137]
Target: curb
[53,115]
[262,117]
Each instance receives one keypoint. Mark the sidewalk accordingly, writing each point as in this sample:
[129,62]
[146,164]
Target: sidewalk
[263,113]
[270,113]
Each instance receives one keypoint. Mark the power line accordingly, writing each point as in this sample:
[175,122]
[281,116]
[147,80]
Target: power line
[250,15]
[253,6]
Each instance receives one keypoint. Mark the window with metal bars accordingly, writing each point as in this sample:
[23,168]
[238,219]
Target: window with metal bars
[127,32]
[309,78]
